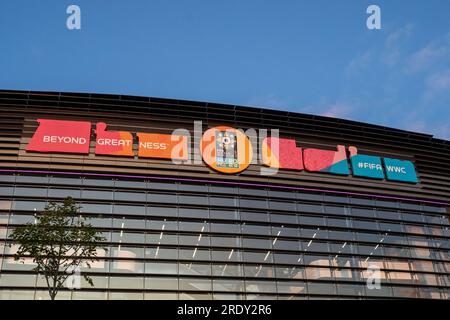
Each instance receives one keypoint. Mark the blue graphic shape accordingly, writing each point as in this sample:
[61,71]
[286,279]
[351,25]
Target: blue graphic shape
[400,170]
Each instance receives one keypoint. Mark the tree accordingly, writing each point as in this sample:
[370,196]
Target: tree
[59,242]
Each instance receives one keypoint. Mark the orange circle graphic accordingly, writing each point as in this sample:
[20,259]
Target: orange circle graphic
[226,149]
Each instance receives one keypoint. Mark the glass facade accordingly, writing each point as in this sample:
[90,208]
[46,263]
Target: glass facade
[180,240]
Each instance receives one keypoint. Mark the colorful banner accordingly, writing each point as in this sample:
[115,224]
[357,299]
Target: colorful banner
[61,136]
[164,146]
[117,143]
[335,162]
[400,170]
[282,154]
[365,165]
[226,149]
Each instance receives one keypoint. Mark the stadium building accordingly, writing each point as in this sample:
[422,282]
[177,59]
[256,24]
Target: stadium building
[327,208]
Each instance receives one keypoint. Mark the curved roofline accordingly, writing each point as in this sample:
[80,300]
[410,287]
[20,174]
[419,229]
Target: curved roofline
[131,98]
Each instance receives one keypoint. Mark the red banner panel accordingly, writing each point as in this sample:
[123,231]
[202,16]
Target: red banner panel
[61,136]
[115,143]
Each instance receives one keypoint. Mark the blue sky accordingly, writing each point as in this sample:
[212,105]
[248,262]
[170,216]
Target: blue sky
[306,56]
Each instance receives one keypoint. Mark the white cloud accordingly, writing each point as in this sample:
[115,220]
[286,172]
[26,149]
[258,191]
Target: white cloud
[359,63]
[429,55]
[337,110]
[394,43]
[437,83]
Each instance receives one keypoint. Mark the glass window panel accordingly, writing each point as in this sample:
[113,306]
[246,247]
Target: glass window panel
[225,241]
[258,257]
[285,231]
[127,252]
[161,283]
[28,205]
[290,272]
[199,269]
[397,251]
[224,214]
[255,229]
[390,215]
[161,238]
[128,237]
[260,286]
[282,206]
[193,187]
[66,180]
[310,196]
[16,295]
[338,210]
[193,213]
[126,266]
[228,285]
[253,192]
[195,200]
[17,280]
[161,185]
[127,223]
[194,254]
[316,260]
[283,218]
[63,193]
[225,228]
[7,178]
[29,192]
[135,184]
[260,271]
[21,219]
[126,296]
[89,295]
[194,296]
[192,284]
[130,196]
[126,283]
[406,292]
[213,189]
[311,220]
[315,246]
[286,244]
[5,205]
[194,240]
[321,288]
[365,224]
[315,208]
[318,273]
[412,217]
[350,289]
[96,194]
[288,258]
[368,237]
[161,253]
[227,270]
[194,226]
[96,182]
[341,235]
[254,216]
[129,210]
[162,225]
[161,267]
[162,198]
[341,223]
[256,243]
[339,199]
[389,204]
[95,208]
[222,201]
[362,212]
[226,255]
[282,194]
[250,203]
[162,211]
[294,287]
